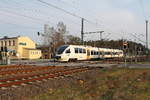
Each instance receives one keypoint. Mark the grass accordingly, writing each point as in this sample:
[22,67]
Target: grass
[115,84]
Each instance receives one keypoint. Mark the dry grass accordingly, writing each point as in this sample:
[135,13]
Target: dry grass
[114,84]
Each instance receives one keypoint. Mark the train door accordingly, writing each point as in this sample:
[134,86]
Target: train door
[67,54]
[88,54]
[103,54]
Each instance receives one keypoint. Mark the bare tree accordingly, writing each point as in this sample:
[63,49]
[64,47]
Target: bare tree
[54,37]
[73,40]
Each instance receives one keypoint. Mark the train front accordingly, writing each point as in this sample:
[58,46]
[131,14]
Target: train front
[60,53]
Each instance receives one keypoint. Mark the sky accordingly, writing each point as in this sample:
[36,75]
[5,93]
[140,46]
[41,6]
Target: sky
[118,18]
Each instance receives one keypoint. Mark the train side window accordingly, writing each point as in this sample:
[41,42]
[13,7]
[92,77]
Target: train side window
[92,52]
[68,51]
[84,51]
[80,50]
[97,53]
[76,50]
[113,53]
[106,53]
[100,53]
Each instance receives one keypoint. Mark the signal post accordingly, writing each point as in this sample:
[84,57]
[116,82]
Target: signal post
[125,47]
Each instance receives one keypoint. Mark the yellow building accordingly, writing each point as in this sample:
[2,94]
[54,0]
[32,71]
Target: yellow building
[20,47]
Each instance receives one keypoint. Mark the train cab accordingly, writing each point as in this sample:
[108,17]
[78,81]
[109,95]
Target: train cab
[71,53]
[62,52]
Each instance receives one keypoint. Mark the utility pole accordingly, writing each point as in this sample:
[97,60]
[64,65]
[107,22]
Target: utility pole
[82,30]
[101,36]
[147,34]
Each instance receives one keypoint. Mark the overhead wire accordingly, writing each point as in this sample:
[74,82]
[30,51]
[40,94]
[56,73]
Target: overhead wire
[25,16]
[58,8]
[61,9]
[38,11]
[77,16]
[65,11]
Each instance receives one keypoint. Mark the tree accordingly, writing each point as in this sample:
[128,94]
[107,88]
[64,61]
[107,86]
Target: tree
[60,35]
[54,37]
[73,40]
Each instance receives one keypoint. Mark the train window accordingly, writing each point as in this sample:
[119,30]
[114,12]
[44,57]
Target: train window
[68,51]
[97,53]
[61,49]
[80,50]
[92,52]
[114,53]
[107,53]
[76,50]
[100,53]
[84,51]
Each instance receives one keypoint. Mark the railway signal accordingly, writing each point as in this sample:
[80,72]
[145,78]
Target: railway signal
[125,45]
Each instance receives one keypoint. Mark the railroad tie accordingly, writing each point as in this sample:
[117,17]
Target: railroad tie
[23,84]
[14,86]
[4,88]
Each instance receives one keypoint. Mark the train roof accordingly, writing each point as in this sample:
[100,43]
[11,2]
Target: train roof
[83,46]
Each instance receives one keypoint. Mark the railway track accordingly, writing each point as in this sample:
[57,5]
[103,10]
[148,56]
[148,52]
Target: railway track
[34,77]
[24,70]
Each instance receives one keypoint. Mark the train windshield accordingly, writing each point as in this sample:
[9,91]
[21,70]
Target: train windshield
[61,49]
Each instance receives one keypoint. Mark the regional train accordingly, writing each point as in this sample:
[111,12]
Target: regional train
[78,52]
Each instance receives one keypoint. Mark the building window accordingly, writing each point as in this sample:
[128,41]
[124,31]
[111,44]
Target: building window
[5,43]
[9,43]
[2,43]
[13,42]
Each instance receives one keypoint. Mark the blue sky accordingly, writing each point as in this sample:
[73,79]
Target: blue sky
[118,17]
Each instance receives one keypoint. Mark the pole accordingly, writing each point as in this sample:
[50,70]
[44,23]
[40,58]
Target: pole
[100,35]
[135,49]
[147,34]
[125,54]
[82,30]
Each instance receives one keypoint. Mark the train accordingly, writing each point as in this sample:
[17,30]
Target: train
[67,53]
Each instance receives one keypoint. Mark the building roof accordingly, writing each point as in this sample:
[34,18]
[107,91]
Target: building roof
[6,37]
